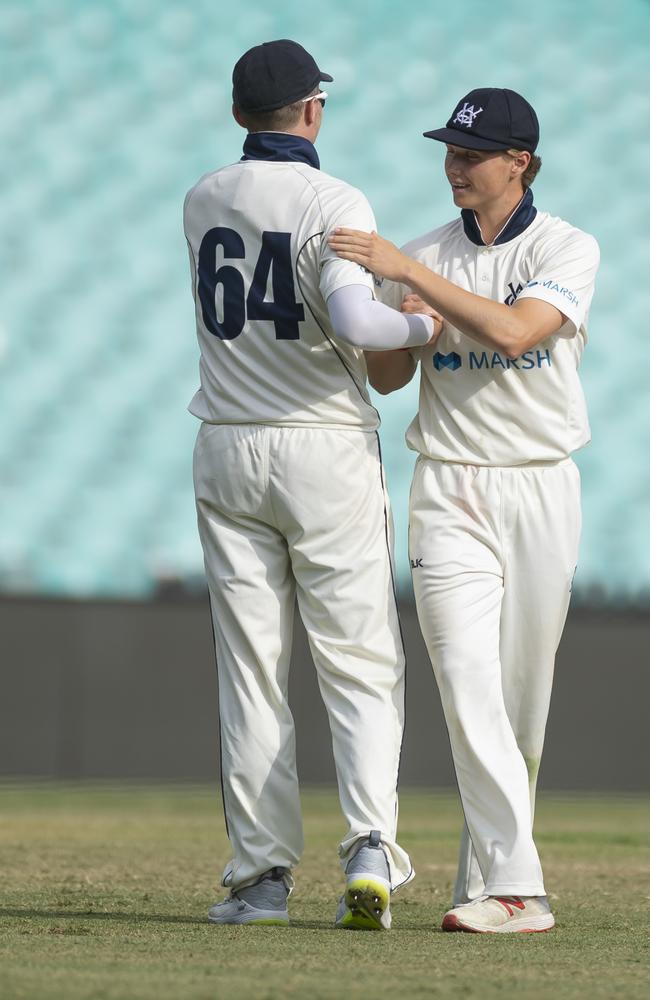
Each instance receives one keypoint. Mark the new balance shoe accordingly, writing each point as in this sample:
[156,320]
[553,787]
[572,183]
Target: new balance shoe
[501,915]
[365,904]
[262,903]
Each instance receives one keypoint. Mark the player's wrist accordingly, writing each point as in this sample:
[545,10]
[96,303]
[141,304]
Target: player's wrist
[407,265]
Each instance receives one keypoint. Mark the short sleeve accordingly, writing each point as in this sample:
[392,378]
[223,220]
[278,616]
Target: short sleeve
[350,209]
[564,275]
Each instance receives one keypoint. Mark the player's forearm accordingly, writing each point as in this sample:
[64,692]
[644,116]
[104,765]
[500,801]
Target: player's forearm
[362,322]
[493,324]
[389,370]
[490,323]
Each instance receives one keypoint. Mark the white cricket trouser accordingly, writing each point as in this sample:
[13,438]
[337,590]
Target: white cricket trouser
[288,512]
[493,552]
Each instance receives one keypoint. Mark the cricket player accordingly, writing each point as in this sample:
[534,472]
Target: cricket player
[290,493]
[495,499]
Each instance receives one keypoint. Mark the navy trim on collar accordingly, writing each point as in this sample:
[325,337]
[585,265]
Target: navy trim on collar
[281,146]
[520,219]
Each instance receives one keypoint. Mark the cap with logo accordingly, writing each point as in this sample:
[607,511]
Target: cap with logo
[271,75]
[491,118]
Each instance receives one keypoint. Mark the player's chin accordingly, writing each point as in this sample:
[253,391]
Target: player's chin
[462,196]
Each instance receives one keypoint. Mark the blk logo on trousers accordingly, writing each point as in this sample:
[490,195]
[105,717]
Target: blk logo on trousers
[451,361]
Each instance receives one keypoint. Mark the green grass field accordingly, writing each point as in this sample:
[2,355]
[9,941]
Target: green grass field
[105,892]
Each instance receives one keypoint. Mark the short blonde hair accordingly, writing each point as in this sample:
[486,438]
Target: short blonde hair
[274,121]
[531,171]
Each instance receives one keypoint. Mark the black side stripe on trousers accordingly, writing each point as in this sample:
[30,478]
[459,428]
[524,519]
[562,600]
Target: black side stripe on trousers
[216,664]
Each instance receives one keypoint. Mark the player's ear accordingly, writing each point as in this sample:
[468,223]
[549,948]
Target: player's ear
[236,113]
[310,112]
[519,160]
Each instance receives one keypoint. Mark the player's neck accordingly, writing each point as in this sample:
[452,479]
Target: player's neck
[493,217]
[304,131]
[280,146]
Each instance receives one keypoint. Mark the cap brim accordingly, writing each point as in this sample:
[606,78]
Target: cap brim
[467,140]
[326,78]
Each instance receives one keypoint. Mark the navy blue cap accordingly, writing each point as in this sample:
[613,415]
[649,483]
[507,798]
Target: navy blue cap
[271,75]
[491,118]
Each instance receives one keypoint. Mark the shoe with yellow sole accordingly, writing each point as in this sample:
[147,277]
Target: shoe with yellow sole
[365,904]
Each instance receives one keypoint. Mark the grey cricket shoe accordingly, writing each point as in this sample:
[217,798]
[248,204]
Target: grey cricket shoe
[262,903]
[365,904]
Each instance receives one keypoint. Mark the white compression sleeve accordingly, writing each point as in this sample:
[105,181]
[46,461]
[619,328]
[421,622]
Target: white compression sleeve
[360,320]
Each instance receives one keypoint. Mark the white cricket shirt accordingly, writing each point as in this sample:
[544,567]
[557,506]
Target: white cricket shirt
[261,272]
[477,406]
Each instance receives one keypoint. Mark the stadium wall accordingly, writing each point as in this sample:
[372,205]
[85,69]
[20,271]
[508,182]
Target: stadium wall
[129,691]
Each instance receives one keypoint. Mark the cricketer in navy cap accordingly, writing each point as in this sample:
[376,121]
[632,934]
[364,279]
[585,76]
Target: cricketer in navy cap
[274,74]
[491,118]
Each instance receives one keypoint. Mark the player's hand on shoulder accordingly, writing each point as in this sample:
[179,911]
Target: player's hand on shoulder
[412,303]
[379,256]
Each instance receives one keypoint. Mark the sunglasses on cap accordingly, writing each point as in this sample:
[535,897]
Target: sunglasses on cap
[321,96]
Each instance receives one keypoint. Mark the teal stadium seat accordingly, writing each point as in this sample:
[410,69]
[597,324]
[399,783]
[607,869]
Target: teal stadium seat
[108,113]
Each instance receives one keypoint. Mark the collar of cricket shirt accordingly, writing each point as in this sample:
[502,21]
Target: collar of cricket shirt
[520,220]
[280,146]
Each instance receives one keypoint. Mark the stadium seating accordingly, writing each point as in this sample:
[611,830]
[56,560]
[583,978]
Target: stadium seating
[111,110]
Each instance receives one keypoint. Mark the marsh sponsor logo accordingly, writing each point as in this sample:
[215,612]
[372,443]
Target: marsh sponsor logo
[526,361]
[554,286]
[488,360]
[451,361]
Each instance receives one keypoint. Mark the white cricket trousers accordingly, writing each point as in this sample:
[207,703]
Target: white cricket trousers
[286,513]
[493,552]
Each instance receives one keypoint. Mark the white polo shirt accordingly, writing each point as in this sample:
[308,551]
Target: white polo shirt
[477,406]
[262,270]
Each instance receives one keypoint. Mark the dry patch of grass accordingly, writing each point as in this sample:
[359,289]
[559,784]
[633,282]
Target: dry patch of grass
[105,892]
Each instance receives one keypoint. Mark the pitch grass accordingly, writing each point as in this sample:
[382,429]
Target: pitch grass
[105,891]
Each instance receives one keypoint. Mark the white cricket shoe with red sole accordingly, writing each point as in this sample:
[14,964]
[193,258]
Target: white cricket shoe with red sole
[501,915]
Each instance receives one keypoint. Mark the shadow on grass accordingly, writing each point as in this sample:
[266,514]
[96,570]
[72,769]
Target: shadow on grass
[119,916]
[327,925]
